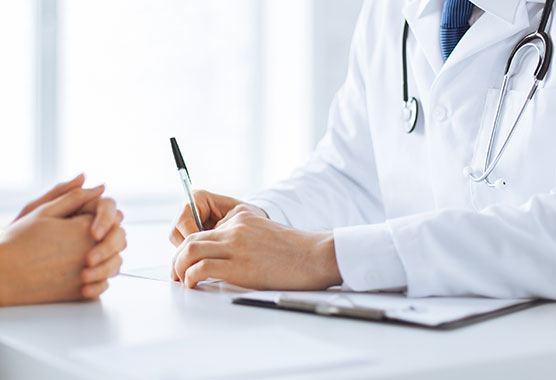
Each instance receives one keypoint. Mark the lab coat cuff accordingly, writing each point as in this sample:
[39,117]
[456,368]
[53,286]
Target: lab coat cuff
[407,236]
[367,258]
[274,212]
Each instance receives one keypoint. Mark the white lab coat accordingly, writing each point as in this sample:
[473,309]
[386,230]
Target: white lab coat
[403,214]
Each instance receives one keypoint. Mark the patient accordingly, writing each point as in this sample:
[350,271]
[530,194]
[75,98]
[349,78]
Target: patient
[62,247]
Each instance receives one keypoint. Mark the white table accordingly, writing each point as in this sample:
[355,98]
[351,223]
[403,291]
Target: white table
[36,341]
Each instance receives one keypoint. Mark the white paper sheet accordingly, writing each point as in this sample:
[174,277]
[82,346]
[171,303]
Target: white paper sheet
[432,311]
[159,273]
[243,354]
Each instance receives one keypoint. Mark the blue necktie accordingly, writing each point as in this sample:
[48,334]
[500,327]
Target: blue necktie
[454,24]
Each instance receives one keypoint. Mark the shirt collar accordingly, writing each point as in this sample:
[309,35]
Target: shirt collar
[503,9]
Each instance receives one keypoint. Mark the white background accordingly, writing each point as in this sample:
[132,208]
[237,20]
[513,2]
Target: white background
[100,86]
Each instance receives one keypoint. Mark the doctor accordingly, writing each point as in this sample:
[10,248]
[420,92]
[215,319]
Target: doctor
[380,208]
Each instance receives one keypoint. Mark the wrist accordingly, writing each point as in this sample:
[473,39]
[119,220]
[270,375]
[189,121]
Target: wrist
[323,255]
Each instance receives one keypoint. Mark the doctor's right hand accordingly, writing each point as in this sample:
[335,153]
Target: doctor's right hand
[214,210]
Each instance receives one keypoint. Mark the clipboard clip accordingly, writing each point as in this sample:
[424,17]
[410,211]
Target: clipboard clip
[331,310]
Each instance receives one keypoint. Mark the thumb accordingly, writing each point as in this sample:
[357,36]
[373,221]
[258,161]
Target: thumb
[57,191]
[70,202]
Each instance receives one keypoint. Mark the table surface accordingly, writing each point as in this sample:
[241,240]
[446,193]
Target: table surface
[136,311]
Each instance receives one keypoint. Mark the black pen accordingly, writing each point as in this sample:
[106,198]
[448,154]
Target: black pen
[186,180]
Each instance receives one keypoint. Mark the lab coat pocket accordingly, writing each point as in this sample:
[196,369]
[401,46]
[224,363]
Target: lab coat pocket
[527,164]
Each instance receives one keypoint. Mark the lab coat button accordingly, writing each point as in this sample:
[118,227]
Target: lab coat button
[440,114]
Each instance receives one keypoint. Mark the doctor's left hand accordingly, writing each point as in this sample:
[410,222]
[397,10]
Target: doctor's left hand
[253,252]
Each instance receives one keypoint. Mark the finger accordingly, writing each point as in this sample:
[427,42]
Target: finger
[207,268]
[193,251]
[103,271]
[173,273]
[176,238]
[114,243]
[54,193]
[186,224]
[106,217]
[71,202]
[233,212]
[94,290]
[242,207]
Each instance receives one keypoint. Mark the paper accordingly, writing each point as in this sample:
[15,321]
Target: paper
[242,354]
[433,311]
[159,273]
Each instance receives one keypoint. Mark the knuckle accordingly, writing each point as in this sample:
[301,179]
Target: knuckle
[242,207]
[241,229]
[189,239]
[105,270]
[243,215]
[121,241]
[200,194]
[120,215]
[101,251]
[204,266]
[191,248]
[109,202]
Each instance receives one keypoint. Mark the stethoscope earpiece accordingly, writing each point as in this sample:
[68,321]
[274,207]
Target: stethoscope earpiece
[499,183]
[542,43]
[467,171]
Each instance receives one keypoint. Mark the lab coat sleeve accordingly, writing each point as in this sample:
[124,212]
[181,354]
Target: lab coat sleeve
[338,186]
[367,258]
[502,251]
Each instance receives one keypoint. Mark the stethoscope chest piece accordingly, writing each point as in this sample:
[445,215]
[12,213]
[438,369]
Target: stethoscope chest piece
[410,114]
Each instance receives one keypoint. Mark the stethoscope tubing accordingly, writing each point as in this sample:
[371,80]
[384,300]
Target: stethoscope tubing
[541,41]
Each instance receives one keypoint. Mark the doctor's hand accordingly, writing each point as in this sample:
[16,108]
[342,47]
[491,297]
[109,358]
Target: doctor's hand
[251,251]
[214,210]
[43,253]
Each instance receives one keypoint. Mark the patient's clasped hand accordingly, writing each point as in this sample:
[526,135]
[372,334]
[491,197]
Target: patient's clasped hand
[61,247]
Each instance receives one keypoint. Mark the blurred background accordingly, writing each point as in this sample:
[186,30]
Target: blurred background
[99,86]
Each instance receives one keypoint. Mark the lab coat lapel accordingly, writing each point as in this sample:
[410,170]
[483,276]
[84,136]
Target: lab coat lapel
[423,18]
[488,30]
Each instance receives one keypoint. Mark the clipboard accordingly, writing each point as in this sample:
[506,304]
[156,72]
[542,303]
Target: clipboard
[444,313]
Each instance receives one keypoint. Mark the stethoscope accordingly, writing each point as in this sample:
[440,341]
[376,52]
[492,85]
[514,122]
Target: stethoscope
[542,43]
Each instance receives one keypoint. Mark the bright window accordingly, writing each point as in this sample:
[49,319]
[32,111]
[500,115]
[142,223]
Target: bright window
[144,71]
[99,86]
[16,95]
